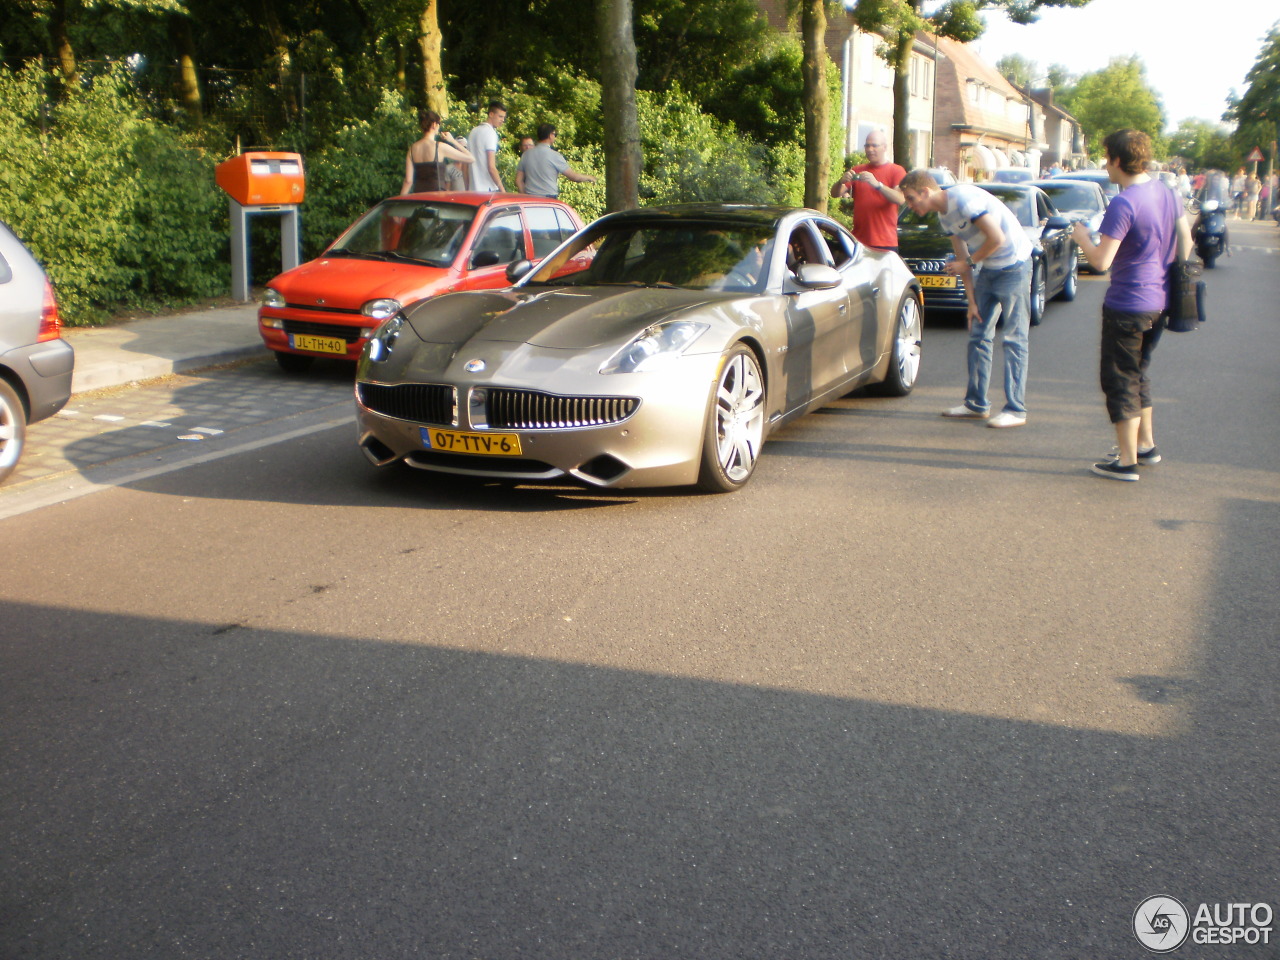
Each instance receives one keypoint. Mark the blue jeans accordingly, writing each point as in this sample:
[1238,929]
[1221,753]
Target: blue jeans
[1000,291]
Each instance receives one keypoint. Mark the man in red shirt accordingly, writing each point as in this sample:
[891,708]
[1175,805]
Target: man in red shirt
[876,197]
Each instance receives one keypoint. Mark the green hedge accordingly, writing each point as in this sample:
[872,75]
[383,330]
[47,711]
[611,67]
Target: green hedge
[119,209]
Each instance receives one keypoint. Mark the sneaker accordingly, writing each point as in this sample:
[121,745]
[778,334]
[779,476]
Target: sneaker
[965,413]
[1007,419]
[1145,458]
[1112,470]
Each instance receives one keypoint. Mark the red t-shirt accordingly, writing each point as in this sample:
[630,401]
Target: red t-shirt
[875,219]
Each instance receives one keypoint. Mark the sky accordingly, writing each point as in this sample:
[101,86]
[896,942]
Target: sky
[1193,59]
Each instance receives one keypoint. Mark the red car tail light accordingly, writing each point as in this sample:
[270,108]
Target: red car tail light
[50,322]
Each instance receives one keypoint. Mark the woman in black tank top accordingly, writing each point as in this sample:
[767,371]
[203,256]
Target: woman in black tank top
[424,164]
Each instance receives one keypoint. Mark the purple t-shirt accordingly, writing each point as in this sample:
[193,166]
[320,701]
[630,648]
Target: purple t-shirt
[1143,217]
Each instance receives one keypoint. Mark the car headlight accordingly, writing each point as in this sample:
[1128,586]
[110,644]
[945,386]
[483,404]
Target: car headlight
[657,345]
[384,338]
[273,299]
[381,309]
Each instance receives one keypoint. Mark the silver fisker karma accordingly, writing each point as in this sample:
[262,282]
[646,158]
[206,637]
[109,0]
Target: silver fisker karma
[694,332]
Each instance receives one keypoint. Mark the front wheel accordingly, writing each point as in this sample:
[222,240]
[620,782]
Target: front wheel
[904,365]
[13,429]
[1038,297]
[734,430]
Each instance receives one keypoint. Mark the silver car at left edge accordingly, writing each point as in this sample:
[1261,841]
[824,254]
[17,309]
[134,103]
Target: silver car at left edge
[694,332]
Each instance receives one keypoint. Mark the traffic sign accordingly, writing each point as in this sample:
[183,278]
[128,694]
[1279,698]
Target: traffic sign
[1255,156]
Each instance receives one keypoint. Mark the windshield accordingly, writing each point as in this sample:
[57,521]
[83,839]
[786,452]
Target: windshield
[1071,196]
[695,256]
[1019,202]
[423,231]
[909,220]
[1216,187]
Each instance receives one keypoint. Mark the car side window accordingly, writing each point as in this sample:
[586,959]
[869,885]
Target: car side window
[567,226]
[6,272]
[501,241]
[837,243]
[803,247]
[544,229]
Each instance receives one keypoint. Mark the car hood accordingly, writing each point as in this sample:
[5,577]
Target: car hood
[345,282]
[565,318]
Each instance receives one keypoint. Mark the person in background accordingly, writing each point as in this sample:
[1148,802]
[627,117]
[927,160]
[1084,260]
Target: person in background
[541,168]
[483,141]
[424,164]
[984,234]
[1142,229]
[526,144]
[876,198]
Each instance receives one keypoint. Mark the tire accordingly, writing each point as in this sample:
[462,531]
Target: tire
[1209,260]
[734,430]
[13,429]
[1038,298]
[293,362]
[904,364]
[1072,284]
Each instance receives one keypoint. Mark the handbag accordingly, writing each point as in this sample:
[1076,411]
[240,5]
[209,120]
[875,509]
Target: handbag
[1185,309]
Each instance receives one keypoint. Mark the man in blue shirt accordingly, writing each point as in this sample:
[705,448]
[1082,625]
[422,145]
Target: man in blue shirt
[993,258]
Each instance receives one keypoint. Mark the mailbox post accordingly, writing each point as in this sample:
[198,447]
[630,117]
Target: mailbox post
[262,183]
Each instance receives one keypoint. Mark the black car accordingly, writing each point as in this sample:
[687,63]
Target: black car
[925,248]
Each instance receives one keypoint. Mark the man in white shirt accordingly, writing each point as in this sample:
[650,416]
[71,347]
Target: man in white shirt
[993,259]
[483,142]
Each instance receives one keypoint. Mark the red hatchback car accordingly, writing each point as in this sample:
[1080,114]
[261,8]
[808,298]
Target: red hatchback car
[404,250]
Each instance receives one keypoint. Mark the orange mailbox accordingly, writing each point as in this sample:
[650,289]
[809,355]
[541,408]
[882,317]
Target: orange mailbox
[262,179]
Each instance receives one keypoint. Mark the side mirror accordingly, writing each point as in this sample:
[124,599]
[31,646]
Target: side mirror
[518,269]
[817,276]
[1057,223]
[484,258]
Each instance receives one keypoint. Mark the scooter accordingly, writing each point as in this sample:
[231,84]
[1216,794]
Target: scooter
[1210,231]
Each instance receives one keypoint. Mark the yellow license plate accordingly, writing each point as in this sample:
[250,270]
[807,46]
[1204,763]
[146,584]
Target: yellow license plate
[304,341]
[481,444]
[937,281]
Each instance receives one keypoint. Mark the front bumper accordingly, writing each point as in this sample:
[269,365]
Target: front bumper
[315,327]
[659,444]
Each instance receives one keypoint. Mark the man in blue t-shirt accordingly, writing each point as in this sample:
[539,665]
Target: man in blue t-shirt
[993,258]
[1141,231]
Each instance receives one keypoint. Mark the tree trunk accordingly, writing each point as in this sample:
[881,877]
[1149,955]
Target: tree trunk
[902,98]
[62,48]
[622,155]
[188,78]
[817,134]
[431,43]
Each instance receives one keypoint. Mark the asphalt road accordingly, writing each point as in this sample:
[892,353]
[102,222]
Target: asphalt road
[922,690]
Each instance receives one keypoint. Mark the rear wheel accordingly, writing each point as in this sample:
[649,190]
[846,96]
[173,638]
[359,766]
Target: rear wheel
[13,429]
[904,365]
[293,362]
[734,429]
[1037,293]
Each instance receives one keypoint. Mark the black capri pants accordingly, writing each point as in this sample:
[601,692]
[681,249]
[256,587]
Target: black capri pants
[1128,340]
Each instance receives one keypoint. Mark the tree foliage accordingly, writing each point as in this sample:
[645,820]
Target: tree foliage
[1117,96]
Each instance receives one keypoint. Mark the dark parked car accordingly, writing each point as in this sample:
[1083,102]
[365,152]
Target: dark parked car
[1081,200]
[1054,273]
[1100,177]
[35,362]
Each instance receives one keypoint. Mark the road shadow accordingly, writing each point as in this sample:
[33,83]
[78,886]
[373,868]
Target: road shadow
[183,789]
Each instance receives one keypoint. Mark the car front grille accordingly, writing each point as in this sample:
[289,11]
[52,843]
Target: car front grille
[343,331]
[419,402]
[529,410]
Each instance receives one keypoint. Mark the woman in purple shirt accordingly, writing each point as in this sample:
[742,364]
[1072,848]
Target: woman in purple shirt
[1140,231]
